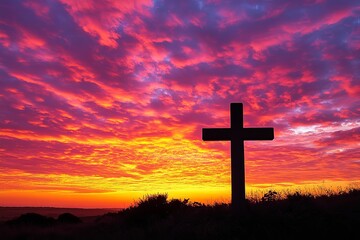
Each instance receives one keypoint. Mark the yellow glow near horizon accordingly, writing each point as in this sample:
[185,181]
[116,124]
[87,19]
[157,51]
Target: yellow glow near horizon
[123,199]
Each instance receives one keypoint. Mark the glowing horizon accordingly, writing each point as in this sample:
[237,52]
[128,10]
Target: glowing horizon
[104,102]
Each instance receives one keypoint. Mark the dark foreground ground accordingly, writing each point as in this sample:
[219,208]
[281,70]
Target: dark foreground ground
[155,217]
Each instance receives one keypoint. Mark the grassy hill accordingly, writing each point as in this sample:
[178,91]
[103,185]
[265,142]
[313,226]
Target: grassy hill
[298,216]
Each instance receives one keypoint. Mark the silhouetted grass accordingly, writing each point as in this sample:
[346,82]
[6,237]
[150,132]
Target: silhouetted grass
[295,216]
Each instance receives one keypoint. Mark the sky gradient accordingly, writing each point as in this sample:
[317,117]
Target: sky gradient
[102,102]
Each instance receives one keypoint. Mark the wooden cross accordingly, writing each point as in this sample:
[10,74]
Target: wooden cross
[237,134]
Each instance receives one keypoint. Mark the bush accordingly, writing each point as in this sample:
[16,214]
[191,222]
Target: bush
[152,208]
[33,219]
[68,218]
[270,196]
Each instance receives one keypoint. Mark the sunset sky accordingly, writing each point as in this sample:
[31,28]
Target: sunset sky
[102,102]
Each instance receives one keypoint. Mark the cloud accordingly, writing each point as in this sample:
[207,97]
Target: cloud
[121,90]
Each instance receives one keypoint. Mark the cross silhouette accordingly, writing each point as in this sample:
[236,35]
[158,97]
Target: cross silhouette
[237,134]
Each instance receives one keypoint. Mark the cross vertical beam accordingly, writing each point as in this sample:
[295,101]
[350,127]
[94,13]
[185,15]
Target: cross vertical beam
[237,134]
[237,156]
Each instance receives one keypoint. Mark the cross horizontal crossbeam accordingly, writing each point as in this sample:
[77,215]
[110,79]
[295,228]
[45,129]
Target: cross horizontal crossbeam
[247,134]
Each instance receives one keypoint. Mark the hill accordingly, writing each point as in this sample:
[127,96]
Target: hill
[298,216]
[8,213]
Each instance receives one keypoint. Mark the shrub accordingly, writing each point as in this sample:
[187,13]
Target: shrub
[68,218]
[297,196]
[270,196]
[32,219]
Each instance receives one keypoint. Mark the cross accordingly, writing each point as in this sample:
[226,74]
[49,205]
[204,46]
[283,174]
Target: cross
[237,134]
